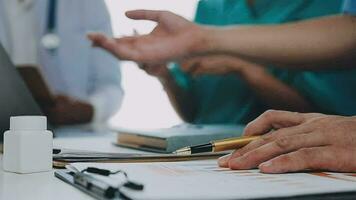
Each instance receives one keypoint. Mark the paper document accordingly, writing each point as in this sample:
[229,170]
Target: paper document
[62,157]
[205,180]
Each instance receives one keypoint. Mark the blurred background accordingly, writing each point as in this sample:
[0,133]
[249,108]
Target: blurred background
[145,104]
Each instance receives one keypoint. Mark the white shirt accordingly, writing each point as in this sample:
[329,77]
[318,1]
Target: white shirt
[19,18]
[76,69]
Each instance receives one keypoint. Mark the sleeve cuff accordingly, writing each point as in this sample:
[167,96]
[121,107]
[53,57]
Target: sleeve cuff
[106,102]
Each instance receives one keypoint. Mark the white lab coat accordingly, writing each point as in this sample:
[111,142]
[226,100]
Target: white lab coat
[18,30]
[4,33]
[76,69]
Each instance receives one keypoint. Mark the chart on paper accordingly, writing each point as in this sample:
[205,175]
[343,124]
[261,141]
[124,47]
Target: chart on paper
[204,179]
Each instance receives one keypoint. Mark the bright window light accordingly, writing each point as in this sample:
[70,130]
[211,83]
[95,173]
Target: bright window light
[146,104]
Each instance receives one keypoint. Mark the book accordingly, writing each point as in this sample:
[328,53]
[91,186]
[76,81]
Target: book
[168,140]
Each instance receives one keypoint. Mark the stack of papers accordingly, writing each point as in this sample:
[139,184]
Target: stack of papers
[66,156]
[205,180]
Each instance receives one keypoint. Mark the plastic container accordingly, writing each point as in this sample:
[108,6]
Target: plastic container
[28,145]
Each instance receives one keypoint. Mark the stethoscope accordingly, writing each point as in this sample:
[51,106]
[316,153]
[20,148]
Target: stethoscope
[51,40]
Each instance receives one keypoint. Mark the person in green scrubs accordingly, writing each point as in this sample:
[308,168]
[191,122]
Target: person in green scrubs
[236,98]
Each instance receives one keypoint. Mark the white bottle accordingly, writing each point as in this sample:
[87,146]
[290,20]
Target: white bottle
[28,145]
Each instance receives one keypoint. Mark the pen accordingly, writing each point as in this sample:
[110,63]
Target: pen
[216,146]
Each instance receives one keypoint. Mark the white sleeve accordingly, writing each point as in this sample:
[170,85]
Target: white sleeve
[106,94]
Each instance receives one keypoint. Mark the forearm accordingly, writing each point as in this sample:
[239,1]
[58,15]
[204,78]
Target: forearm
[180,100]
[320,43]
[275,94]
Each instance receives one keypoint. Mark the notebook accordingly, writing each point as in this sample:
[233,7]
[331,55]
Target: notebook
[168,140]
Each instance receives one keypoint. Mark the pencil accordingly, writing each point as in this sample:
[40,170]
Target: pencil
[217,146]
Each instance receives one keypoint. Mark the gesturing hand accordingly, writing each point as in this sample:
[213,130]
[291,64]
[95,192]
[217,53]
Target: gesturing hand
[173,37]
[295,142]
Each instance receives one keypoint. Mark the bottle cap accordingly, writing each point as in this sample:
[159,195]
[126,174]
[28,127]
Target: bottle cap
[28,123]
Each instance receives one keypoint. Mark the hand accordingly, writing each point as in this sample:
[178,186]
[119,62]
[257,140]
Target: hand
[67,111]
[220,65]
[157,70]
[297,142]
[173,37]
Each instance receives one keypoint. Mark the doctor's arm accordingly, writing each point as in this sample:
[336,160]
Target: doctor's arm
[270,91]
[318,43]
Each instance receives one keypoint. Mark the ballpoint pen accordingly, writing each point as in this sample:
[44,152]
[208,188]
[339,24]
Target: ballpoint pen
[216,146]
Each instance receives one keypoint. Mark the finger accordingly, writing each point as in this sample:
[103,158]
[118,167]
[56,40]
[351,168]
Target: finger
[270,137]
[316,158]
[127,49]
[96,38]
[195,67]
[121,48]
[203,69]
[273,119]
[152,15]
[190,65]
[224,161]
[100,40]
[282,145]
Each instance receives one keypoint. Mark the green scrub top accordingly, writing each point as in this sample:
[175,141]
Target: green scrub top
[227,99]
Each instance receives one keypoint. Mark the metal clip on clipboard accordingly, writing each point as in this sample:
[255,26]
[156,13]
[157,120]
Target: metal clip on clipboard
[95,187]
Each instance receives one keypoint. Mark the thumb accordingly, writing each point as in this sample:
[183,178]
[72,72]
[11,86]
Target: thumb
[152,15]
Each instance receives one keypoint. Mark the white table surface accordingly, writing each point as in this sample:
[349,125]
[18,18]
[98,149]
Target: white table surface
[43,186]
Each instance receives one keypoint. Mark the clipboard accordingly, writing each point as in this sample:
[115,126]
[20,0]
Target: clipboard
[68,177]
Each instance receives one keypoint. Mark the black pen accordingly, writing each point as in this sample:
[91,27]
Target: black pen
[216,146]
